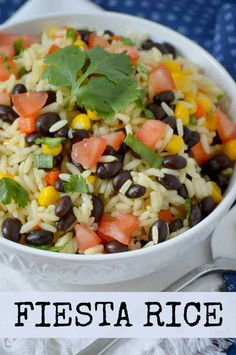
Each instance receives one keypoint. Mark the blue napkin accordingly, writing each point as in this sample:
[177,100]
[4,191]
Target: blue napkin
[211,23]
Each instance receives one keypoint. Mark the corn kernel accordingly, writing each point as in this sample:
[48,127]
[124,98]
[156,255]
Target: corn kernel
[172,66]
[48,196]
[54,151]
[182,112]
[211,122]
[175,145]
[6,176]
[181,82]
[216,192]
[92,115]
[91,179]
[81,121]
[190,98]
[52,31]
[229,149]
[204,101]
[80,43]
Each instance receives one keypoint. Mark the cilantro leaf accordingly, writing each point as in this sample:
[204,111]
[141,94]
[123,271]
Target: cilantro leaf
[10,189]
[107,97]
[49,141]
[76,184]
[48,248]
[113,66]
[63,66]
[127,41]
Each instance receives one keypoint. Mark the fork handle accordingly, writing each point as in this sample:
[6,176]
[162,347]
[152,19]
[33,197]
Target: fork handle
[192,276]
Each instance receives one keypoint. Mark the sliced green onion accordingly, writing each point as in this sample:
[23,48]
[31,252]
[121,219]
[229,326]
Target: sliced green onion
[149,114]
[220,96]
[142,68]
[127,41]
[43,161]
[50,141]
[71,33]
[193,120]
[48,248]
[152,158]
[18,45]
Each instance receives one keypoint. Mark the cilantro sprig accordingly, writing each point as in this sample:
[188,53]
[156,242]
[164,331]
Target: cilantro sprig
[11,189]
[99,80]
[76,183]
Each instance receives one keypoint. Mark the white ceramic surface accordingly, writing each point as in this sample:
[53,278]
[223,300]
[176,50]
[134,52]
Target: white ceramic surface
[81,269]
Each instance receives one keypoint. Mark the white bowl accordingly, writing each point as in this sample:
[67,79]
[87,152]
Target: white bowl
[83,269]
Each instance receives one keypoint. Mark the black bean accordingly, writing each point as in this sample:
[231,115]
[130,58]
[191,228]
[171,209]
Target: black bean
[135,191]
[63,206]
[57,160]
[216,164]
[115,247]
[19,89]
[171,121]
[32,138]
[77,135]
[39,237]
[163,230]
[207,205]
[62,132]
[149,44]
[195,215]
[183,192]
[108,32]
[52,97]
[194,139]
[7,114]
[190,154]
[176,225]
[65,222]
[109,170]
[187,134]
[170,49]
[174,161]
[222,181]
[170,182]
[98,208]
[85,35]
[11,229]
[120,179]
[45,121]
[165,96]
[78,165]
[59,185]
[123,148]
[157,110]
[109,151]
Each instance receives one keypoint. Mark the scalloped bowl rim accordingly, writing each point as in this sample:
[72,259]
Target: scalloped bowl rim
[224,204]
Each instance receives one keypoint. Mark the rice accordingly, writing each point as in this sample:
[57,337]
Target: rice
[17,157]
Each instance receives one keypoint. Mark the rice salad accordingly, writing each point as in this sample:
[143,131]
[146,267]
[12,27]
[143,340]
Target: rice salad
[107,143]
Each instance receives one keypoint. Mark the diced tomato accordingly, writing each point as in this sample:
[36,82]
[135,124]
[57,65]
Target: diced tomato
[200,111]
[166,215]
[119,228]
[36,228]
[151,132]
[7,50]
[52,177]
[9,38]
[27,125]
[53,49]
[131,52]
[86,238]
[225,127]
[5,98]
[199,153]
[161,79]
[29,103]
[116,38]
[88,151]
[95,40]
[114,139]
[7,68]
